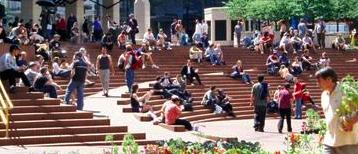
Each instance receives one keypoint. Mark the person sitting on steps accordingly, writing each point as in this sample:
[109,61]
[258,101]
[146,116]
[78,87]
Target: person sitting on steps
[273,63]
[238,72]
[188,73]
[224,103]
[10,71]
[139,104]
[45,84]
[146,56]
[195,53]
[172,113]
[210,100]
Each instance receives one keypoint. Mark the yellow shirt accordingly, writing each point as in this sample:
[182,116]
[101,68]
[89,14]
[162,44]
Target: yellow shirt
[336,137]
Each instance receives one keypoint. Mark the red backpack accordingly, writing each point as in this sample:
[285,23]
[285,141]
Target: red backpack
[136,61]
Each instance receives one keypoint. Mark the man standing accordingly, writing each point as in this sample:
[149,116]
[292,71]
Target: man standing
[298,94]
[284,105]
[302,28]
[129,70]
[259,97]
[78,73]
[172,30]
[336,140]
[198,31]
[320,30]
[104,65]
[133,24]
[238,30]
[204,27]
[70,21]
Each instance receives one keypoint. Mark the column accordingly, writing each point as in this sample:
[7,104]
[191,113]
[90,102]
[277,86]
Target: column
[142,14]
[30,10]
[76,8]
[113,12]
[212,32]
[229,32]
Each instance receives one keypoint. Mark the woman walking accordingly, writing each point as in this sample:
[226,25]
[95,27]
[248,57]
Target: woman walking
[104,66]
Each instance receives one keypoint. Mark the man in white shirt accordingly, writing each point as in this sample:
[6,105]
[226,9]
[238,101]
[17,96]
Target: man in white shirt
[148,38]
[338,139]
[204,27]
[198,31]
[285,43]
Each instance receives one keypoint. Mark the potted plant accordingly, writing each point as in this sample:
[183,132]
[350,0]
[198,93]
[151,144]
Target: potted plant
[129,146]
[348,108]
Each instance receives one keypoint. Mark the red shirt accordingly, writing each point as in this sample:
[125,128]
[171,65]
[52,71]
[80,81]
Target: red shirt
[284,99]
[266,39]
[61,24]
[172,113]
[297,90]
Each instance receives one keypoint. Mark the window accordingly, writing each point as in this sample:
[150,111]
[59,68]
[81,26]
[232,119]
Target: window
[332,27]
[220,30]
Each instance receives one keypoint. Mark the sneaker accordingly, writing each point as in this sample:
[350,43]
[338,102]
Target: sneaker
[12,89]
[155,66]
[143,67]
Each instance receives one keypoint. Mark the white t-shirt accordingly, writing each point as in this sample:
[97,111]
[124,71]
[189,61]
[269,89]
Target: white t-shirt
[204,28]
[335,136]
[148,36]
[198,28]
[284,41]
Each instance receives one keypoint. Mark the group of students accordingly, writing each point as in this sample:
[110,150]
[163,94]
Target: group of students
[282,65]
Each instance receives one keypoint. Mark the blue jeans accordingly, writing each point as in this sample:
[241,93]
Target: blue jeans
[197,37]
[214,59]
[64,73]
[243,77]
[298,108]
[78,86]
[129,79]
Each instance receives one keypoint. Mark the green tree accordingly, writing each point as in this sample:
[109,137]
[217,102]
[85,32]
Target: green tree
[237,8]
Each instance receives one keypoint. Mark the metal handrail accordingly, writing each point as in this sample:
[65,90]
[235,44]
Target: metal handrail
[6,105]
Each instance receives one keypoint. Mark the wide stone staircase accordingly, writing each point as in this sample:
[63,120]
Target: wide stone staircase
[40,121]
[43,121]
[344,63]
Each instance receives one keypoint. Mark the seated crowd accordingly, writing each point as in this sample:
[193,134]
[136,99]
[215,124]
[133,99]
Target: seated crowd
[50,62]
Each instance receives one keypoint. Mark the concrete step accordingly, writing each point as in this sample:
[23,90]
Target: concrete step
[65,131]
[36,102]
[56,123]
[43,109]
[65,138]
[50,116]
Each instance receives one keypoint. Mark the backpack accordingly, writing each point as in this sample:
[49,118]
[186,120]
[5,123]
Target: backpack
[272,107]
[136,60]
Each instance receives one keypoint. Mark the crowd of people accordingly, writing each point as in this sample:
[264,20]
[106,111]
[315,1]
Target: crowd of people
[50,62]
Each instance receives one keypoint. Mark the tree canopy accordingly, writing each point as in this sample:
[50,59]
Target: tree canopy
[285,9]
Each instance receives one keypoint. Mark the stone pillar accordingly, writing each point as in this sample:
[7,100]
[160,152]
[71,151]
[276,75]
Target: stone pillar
[229,32]
[30,10]
[113,12]
[142,14]
[77,8]
[212,32]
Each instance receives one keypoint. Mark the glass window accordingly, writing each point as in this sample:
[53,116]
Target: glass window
[220,30]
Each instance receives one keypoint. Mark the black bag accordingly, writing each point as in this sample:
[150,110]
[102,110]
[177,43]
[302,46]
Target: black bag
[272,107]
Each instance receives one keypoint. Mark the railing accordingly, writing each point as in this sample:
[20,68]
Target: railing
[6,105]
